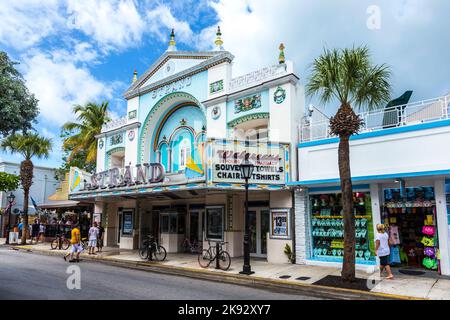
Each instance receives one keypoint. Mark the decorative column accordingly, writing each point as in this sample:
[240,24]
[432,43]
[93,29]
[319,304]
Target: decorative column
[302,226]
[442,224]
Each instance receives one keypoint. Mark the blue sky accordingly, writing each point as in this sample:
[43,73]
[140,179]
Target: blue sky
[78,50]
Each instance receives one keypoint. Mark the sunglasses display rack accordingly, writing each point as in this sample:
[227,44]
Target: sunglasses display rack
[327,227]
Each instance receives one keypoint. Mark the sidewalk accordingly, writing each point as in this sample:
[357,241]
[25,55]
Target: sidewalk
[403,286]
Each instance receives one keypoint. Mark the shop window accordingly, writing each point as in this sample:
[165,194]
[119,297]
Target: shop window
[328,231]
[410,214]
[214,223]
[170,223]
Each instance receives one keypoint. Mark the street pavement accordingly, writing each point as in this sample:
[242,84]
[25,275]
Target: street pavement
[26,275]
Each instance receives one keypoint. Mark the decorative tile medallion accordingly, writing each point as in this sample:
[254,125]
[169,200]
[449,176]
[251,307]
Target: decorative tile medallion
[279,95]
[215,113]
[100,144]
[215,87]
[131,135]
[116,139]
[132,114]
[247,103]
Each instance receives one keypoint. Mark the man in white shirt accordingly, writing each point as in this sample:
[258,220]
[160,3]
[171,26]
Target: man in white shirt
[93,235]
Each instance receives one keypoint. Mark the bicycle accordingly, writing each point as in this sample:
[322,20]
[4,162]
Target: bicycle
[84,243]
[207,256]
[192,247]
[151,248]
[60,242]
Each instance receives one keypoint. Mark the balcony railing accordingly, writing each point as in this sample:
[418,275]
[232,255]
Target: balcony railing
[399,116]
[114,124]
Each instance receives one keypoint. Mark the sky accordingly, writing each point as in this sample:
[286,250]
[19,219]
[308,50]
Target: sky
[75,51]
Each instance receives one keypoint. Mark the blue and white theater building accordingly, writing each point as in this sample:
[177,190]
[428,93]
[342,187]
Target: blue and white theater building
[400,166]
[170,167]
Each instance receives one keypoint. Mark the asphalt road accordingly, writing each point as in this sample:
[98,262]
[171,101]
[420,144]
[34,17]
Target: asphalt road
[26,275]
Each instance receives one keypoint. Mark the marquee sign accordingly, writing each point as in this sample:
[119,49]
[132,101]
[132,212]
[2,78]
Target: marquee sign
[269,160]
[145,174]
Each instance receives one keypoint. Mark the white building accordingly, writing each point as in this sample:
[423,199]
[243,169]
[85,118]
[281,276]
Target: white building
[400,168]
[171,166]
[44,185]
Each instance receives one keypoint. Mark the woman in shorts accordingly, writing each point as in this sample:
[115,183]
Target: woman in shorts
[383,251]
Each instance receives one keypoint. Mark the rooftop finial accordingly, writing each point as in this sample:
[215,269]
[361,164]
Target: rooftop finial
[281,58]
[172,42]
[218,40]
[134,76]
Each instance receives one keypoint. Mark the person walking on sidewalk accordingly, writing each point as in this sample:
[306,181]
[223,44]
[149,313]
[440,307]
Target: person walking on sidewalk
[383,251]
[93,235]
[76,245]
[101,233]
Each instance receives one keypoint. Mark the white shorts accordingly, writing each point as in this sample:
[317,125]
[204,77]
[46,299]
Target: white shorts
[77,248]
[92,243]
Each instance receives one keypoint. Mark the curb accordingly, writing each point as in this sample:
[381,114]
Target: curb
[217,276]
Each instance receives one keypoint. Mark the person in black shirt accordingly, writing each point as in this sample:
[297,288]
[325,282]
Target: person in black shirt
[101,233]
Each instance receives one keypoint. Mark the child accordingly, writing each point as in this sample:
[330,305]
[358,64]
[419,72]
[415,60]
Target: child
[382,250]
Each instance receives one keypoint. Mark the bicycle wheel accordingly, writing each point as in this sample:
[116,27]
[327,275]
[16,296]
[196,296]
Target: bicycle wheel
[204,258]
[143,253]
[224,261]
[160,253]
[65,244]
[54,244]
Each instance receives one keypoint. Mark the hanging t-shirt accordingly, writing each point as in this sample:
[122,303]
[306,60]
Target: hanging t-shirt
[383,249]
[394,237]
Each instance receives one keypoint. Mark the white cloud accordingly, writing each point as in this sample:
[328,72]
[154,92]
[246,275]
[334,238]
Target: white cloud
[112,24]
[26,22]
[410,39]
[161,19]
[59,84]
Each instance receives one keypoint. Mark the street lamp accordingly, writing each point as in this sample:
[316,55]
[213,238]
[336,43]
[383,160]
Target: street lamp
[246,169]
[10,199]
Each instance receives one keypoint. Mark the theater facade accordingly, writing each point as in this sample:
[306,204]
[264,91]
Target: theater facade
[170,167]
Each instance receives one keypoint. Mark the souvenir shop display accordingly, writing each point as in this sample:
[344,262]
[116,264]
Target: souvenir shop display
[328,227]
[411,217]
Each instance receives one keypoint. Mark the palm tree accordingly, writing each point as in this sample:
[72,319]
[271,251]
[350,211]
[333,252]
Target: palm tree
[348,76]
[91,117]
[29,146]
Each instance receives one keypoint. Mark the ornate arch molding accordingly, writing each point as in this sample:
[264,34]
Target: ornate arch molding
[110,153]
[162,109]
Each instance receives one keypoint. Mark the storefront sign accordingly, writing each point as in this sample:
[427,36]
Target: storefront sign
[121,177]
[279,223]
[269,163]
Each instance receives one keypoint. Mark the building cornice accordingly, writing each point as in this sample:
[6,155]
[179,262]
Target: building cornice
[291,78]
[119,129]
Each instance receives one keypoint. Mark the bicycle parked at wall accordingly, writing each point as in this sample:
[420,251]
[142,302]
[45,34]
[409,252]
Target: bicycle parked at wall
[60,242]
[191,246]
[207,256]
[150,248]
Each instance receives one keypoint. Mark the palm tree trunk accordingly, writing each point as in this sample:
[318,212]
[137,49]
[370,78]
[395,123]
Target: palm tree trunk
[348,267]
[26,177]
[26,193]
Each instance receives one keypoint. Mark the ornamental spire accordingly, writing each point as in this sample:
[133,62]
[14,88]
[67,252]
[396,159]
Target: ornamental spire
[218,40]
[134,76]
[172,42]
[281,58]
